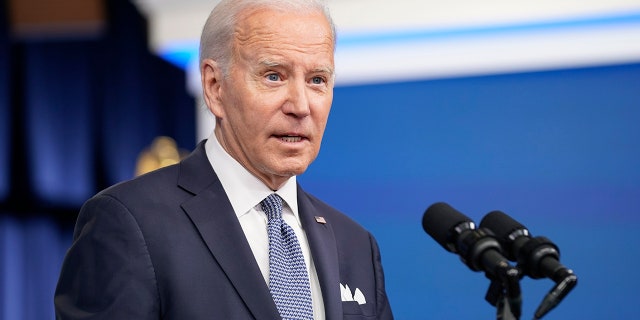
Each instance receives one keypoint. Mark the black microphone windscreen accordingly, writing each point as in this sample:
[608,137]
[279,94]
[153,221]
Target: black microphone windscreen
[500,224]
[439,220]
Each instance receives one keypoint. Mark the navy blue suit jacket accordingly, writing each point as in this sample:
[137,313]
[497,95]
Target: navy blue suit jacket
[167,245]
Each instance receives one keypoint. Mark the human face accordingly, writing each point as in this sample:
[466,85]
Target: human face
[272,107]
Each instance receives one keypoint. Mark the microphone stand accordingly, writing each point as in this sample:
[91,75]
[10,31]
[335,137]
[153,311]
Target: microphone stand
[504,293]
[565,282]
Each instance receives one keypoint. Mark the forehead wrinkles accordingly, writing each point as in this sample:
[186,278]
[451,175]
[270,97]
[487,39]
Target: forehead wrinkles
[267,37]
[258,34]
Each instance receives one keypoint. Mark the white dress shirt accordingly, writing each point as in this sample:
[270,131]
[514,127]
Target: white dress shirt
[245,192]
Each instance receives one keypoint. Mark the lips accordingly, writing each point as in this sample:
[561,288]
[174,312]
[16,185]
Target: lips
[291,138]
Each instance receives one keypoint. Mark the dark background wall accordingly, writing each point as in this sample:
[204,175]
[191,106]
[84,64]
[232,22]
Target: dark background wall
[76,109]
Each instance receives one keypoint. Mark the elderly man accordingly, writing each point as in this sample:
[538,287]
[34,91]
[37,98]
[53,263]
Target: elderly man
[228,233]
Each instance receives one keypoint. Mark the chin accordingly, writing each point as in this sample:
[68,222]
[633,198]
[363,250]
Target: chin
[287,166]
[293,170]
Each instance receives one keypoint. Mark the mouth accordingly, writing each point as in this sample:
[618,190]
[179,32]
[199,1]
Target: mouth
[291,138]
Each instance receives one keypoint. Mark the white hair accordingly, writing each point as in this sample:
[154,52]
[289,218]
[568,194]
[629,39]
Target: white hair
[217,34]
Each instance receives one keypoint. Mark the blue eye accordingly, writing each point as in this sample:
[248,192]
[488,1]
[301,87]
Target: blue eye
[317,80]
[273,77]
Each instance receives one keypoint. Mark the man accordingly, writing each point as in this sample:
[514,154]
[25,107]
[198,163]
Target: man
[196,240]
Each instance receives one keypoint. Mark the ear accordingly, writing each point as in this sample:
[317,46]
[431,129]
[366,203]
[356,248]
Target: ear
[211,77]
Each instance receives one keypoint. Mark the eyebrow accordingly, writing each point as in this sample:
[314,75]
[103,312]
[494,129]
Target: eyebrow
[269,63]
[327,70]
[272,64]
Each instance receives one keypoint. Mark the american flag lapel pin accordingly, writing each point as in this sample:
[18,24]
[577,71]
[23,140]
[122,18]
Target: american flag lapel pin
[321,220]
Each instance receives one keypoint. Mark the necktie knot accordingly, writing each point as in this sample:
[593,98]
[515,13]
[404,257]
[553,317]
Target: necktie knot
[272,206]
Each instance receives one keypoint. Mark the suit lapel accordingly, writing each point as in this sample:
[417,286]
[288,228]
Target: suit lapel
[213,216]
[323,247]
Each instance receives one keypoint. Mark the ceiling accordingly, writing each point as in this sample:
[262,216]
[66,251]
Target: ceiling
[400,40]
[426,39]
[182,20]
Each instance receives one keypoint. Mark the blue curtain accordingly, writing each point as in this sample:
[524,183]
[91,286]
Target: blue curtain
[74,115]
[57,121]
[5,123]
[31,250]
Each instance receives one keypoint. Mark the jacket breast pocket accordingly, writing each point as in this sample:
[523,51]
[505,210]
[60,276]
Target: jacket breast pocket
[354,310]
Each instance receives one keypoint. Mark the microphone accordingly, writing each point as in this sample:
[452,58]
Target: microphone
[537,257]
[457,233]
[478,249]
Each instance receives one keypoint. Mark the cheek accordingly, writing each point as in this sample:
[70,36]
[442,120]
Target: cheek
[251,125]
[324,103]
[239,111]
[323,116]
[247,126]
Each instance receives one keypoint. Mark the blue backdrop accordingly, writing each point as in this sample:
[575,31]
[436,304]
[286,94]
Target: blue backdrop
[559,151]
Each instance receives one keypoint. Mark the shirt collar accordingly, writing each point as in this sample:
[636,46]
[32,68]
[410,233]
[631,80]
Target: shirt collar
[243,189]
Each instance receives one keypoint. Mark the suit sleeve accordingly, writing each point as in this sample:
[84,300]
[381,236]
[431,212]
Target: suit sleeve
[107,273]
[384,308]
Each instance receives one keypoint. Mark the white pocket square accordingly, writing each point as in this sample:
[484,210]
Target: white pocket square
[346,294]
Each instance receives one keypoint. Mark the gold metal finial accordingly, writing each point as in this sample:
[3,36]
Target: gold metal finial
[162,152]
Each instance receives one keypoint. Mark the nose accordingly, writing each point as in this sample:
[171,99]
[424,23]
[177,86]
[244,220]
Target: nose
[297,103]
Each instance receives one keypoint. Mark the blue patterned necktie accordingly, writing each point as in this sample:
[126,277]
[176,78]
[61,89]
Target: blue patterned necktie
[288,278]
